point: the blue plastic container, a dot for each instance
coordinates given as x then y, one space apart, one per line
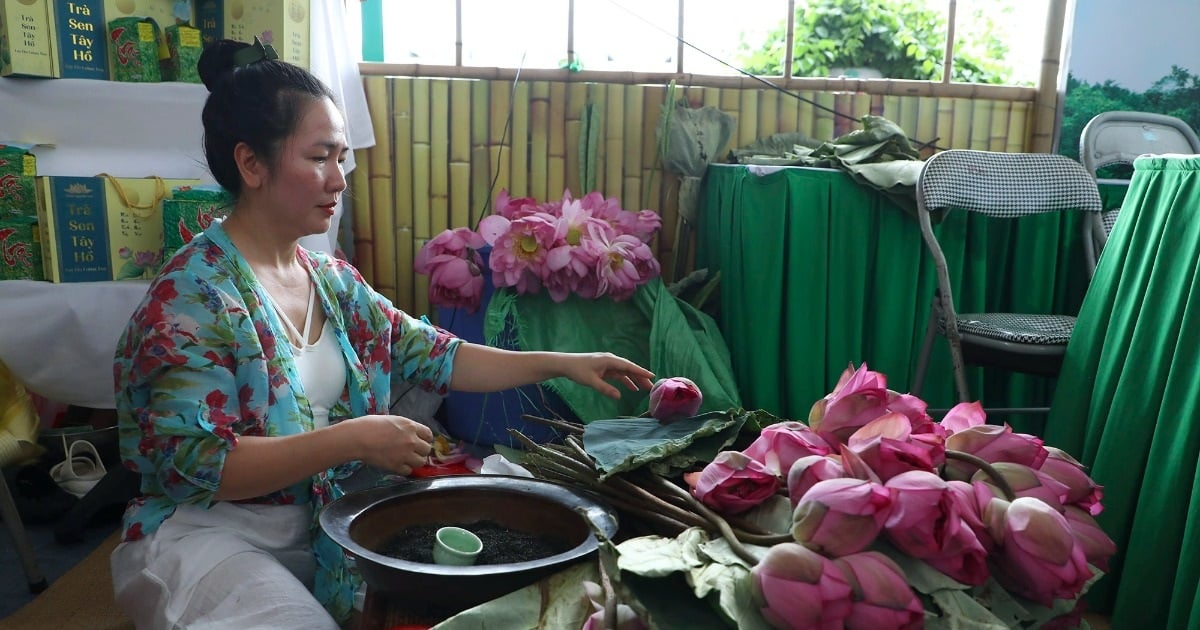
484 419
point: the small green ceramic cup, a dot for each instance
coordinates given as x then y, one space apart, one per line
456 546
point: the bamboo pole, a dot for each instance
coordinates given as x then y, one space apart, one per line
926 119
632 140
422 156
860 106
500 134
556 160
539 139
960 138
747 129
518 142
361 208
909 111
789 39
948 60
806 115
729 101
945 123
652 103
598 98
1019 129
823 118
398 252
788 114
460 154
843 120
981 124
378 93
768 112
1045 111
998 134
481 164
892 109
899 87
576 100
614 142
439 158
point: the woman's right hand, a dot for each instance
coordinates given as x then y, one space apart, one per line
393 443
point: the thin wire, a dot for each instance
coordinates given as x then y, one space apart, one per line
512 96
765 82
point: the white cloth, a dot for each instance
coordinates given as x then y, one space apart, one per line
230 566
320 364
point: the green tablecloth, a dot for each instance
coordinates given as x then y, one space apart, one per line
1128 402
819 272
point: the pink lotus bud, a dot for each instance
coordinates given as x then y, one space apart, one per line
1037 554
807 471
919 521
1081 490
734 483
626 619
966 500
855 466
888 445
1025 482
796 588
779 445
841 516
992 444
674 398
859 397
1097 546
881 594
963 416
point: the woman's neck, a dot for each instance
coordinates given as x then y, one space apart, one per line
260 243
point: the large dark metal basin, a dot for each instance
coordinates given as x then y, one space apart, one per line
362 522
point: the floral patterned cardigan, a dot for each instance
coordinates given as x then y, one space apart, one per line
205 360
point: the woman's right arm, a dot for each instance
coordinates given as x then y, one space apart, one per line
261 465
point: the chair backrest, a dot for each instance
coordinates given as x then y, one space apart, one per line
1005 184
1118 138
1001 185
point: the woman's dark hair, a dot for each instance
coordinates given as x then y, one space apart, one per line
259 103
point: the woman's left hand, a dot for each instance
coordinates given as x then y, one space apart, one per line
596 369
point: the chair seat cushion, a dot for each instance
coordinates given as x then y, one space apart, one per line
1045 330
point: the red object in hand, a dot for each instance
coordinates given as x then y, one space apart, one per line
440 470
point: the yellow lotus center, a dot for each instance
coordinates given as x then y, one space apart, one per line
527 244
574 235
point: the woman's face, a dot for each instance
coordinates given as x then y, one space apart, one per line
305 185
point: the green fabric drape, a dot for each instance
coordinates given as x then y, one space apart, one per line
1128 402
653 328
819 272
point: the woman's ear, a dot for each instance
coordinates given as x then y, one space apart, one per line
253 170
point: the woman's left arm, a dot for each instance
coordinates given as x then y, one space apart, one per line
479 368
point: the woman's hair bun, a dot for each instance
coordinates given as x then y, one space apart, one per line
216 60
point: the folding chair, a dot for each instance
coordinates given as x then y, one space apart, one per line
1003 185
1117 138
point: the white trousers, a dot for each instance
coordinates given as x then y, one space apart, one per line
231 566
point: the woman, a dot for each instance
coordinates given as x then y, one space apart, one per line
244 347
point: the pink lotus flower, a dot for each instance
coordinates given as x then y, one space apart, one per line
626 619
733 483
674 398
798 588
1025 482
622 262
888 445
882 597
1081 490
1037 555
993 444
841 516
1097 546
925 523
454 265
779 445
806 472
859 397
519 253
967 500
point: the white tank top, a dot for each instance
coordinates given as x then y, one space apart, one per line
320 364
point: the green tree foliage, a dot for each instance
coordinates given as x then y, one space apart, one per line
1177 94
903 39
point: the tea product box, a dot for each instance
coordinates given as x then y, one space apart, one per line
210 20
81 36
183 44
18 194
133 47
27 46
163 12
102 228
189 211
20 249
284 24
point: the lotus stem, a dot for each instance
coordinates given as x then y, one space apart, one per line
998 478
569 427
715 519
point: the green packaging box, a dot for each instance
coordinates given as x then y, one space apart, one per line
282 23
20 250
189 211
133 50
183 43
18 192
27 46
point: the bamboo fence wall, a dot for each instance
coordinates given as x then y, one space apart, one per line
444 149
